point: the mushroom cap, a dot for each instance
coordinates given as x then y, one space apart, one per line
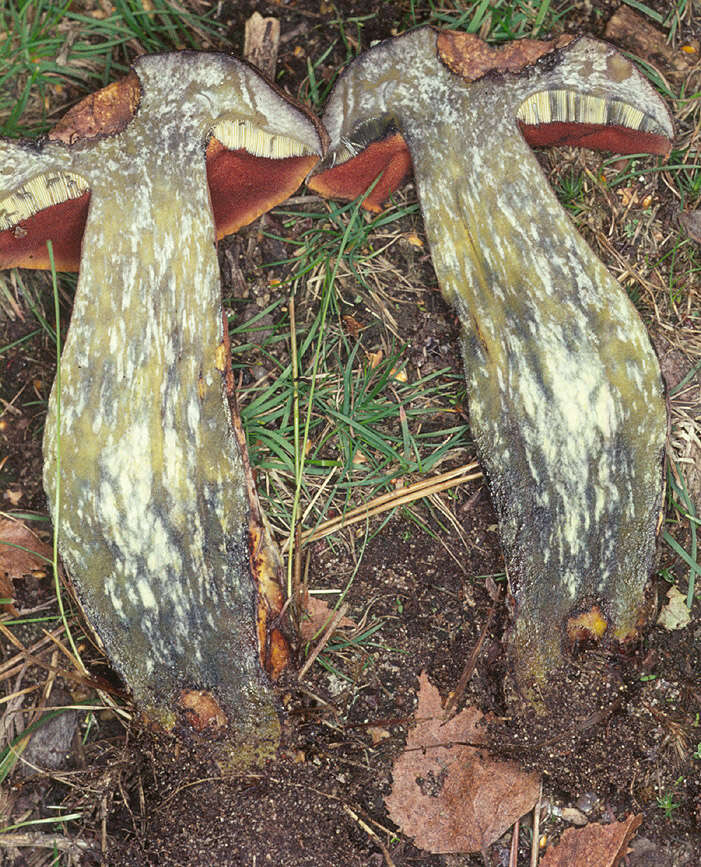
573 91
270 144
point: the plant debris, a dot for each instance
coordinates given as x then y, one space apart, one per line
317 616
449 794
21 552
596 845
675 614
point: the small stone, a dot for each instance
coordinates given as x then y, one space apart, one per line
573 816
50 746
586 802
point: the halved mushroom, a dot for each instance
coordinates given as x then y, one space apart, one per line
154 514
566 399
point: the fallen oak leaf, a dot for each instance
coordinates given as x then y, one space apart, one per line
448 794
595 845
21 553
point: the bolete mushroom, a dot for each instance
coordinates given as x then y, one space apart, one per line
154 514
566 400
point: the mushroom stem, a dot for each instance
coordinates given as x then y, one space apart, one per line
565 396
147 450
169 562
565 393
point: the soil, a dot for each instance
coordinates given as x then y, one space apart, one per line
621 741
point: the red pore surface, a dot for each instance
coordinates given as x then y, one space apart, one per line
619 139
388 158
242 186
24 245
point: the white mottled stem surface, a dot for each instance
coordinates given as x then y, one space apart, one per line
566 398
154 523
154 518
565 394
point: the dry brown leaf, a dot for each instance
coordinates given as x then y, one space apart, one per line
596 845
375 358
14 497
351 325
316 616
413 239
15 561
450 796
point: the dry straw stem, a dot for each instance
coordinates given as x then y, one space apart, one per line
451 706
513 854
33 656
368 830
44 841
394 499
11 666
535 840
